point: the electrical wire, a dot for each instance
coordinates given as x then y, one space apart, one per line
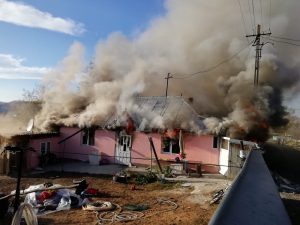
270 10
243 19
250 13
253 10
285 42
188 76
284 38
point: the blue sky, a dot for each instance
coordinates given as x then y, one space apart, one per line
36 35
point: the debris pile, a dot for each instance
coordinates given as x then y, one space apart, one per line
48 201
217 196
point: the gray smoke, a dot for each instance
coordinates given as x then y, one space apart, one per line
192 36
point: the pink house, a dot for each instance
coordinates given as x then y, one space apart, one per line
171 122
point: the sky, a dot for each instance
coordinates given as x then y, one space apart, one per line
36 35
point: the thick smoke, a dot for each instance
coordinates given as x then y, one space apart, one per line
192 36
16 119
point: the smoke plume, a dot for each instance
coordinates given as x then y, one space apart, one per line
191 36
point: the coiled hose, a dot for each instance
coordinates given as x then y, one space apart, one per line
25 210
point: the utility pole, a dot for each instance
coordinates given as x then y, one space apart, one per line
167 78
258 49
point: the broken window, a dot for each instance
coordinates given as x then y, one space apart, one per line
170 142
88 136
125 141
45 148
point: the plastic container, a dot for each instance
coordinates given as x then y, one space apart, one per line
94 158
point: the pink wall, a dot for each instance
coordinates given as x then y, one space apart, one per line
105 141
73 148
32 158
198 148
140 152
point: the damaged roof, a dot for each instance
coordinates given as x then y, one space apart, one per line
37 134
159 112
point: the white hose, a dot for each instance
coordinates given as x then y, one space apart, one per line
25 210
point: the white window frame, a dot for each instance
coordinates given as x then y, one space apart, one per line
128 137
170 149
88 140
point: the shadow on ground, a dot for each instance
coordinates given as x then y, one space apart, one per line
284 161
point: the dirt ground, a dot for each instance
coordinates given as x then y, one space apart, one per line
192 199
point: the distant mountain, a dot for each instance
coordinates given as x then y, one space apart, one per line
4 107
19 107
8 106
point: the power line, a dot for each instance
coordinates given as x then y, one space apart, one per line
258 46
284 38
253 12
285 42
243 18
250 13
187 76
270 10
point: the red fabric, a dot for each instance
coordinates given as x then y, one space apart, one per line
91 191
46 195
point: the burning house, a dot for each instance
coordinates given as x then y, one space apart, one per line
176 130
212 67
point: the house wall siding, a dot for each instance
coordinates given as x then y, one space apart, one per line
73 147
198 148
32 158
140 152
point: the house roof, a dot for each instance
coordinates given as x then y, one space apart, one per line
157 112
37 134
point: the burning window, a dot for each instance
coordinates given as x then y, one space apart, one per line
170 142
45 148
88 136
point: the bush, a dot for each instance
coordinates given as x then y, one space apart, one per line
150 177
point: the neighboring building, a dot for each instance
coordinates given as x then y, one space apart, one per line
233 153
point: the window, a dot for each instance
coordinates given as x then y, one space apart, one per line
216 142
170 145
88 136
224 144
45 148
125 141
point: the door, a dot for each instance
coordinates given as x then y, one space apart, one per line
123 150
235 162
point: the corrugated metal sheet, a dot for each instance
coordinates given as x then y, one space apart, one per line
158 112
37 134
